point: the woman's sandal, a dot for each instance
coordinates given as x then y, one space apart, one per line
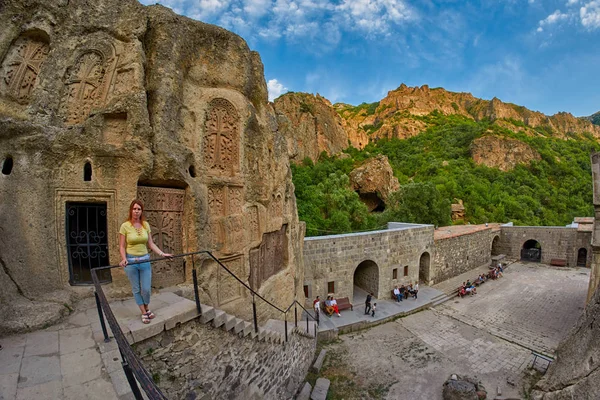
150 314
145 319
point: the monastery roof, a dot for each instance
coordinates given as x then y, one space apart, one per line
584 220
585 227
446 232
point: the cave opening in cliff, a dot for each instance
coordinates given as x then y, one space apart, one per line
531 251
372 201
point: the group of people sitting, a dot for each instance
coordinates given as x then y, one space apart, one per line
331 306
470 288
403 292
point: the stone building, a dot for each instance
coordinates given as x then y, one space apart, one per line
103 102
404 253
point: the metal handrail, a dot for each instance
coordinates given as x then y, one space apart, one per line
131 363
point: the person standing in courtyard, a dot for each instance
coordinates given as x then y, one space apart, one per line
416 289
373 309
368 303
134 241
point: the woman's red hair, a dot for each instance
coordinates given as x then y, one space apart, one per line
133 203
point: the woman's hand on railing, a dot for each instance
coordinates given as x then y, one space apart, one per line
167 255
123 263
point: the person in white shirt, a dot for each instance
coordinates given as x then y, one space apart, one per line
397 294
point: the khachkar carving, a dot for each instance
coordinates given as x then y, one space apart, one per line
228 288
21 67
221 138
163 209
225 200
87 83
225 203
270 258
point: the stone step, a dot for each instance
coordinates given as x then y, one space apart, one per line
219 319
320 390
305 393
239 325
316 367
230 321
248 328
208 314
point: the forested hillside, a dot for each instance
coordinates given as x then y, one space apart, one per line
436 166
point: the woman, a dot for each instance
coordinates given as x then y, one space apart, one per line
134 241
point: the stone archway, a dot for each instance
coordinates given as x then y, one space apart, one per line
531 251
424 263
582 257
495 245
366 277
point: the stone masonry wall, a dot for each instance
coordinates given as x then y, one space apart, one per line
458 254
335 258
197 361
556 242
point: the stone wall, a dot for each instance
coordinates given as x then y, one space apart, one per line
457 254
336 258
130 101
556 242
595 242
197 361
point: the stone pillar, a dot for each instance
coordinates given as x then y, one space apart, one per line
595 272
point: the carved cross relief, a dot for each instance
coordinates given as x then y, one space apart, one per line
221 138
22 66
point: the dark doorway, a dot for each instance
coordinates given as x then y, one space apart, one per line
582 257
495 250
531 251
424 268
366 277
87 242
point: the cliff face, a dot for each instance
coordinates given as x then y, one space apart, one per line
394 117
502 153
105 101
310 126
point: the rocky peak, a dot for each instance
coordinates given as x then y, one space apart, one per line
310 125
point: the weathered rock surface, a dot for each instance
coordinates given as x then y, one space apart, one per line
104 101
462 388
310 125
576 372
375 182
502 153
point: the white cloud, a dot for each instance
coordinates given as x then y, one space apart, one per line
275 88
590 14
552 19
572 2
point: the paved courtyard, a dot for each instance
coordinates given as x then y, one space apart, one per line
489 336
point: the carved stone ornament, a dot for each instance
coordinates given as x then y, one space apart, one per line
221 138
87 83
269 258
21 67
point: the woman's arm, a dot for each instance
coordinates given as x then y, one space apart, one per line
122 247
155 248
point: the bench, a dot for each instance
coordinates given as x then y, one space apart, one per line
543 357
343 303
558 262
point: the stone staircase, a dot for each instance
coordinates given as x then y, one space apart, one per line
172 310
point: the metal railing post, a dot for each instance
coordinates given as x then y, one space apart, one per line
286 336
130 378
254 313
101 316
307 322
195 276
295 315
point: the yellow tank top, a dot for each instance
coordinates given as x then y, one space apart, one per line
137 239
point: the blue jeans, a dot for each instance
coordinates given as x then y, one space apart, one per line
140 277
398 297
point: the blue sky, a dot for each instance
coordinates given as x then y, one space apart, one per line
542 54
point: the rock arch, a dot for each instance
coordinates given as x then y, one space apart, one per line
531 251
366 277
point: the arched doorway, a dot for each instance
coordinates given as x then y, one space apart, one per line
424 268
495 250
366 277
531 251
582 257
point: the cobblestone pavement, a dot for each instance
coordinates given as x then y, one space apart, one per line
533 305
488 336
